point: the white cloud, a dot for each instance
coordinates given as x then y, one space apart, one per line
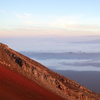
57 24
78 22
3 11
26 19
25 15
20 16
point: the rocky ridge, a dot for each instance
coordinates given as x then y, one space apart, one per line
46 78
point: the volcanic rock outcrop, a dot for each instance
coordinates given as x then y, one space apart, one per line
57 84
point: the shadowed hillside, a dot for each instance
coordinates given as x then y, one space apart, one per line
29 77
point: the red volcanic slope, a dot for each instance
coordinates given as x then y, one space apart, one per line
13 86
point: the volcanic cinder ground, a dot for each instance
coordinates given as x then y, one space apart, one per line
13 86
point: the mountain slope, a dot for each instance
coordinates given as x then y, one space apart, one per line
54 85
16 87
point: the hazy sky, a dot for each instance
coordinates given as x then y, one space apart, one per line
49 17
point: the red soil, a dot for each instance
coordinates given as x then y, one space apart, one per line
13 86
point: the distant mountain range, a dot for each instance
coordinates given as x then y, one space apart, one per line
90 41
22 78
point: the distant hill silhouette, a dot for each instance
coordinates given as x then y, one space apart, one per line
22 78
97 41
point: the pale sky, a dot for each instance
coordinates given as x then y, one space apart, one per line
22 18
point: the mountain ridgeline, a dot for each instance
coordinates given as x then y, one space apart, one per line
61 87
